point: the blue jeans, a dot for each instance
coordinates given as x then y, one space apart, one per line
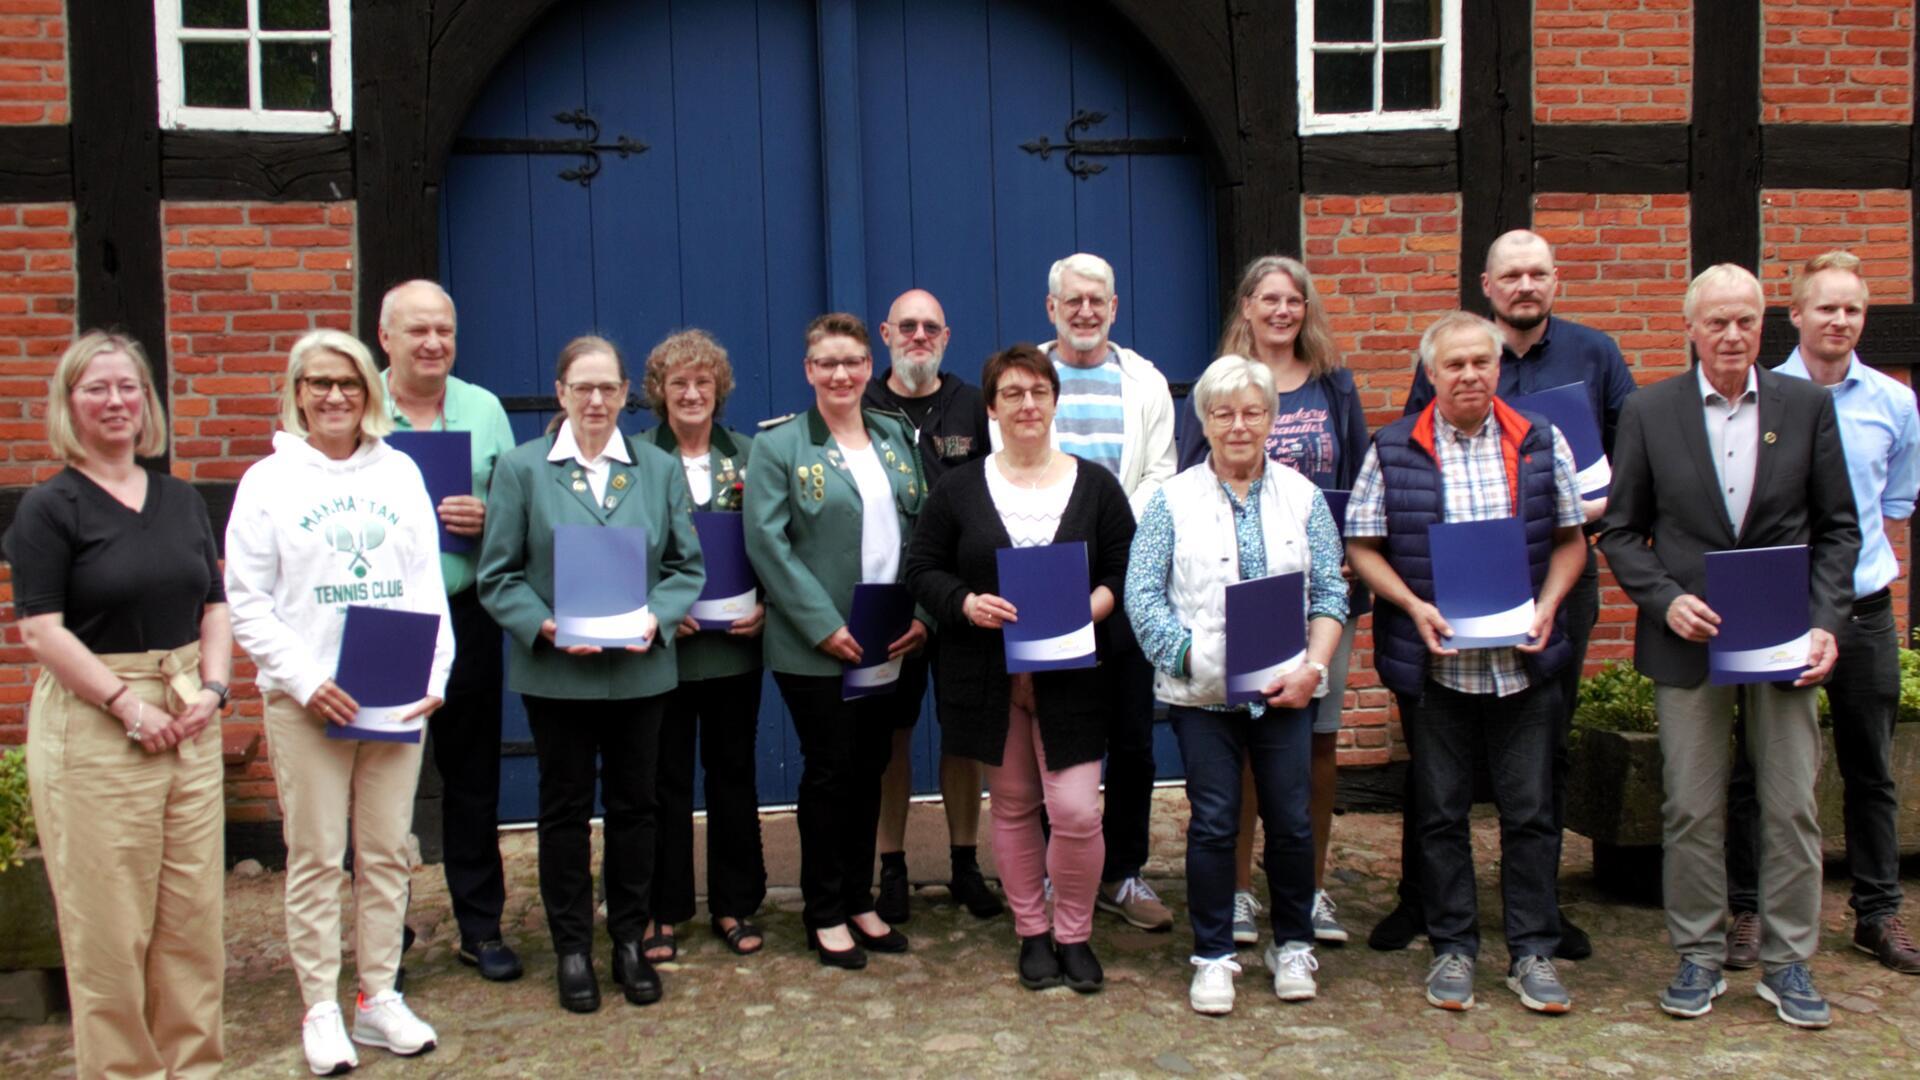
1279 744
1520 732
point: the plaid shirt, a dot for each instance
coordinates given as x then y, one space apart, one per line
1473 487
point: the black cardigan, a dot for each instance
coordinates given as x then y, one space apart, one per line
952 554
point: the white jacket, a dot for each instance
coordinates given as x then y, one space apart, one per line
308 536
1206 559
1147 459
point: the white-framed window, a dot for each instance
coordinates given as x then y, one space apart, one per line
1378 65
255 65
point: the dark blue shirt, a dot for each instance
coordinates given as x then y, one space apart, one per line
1566 353
1302 436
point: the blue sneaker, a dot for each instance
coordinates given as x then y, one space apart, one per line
1692 991
1539 986
1790 991
1450 982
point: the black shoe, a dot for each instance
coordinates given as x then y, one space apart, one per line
1081 969
851 958
893 941
1574 942
579 989
635 974
495 959
1397 931
970 889
400 972
892 903
1039 964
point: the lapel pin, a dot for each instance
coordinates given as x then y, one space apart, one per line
1770 438
579 485
620 482
612 502
576 474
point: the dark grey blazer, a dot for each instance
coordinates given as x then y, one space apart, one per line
1666 512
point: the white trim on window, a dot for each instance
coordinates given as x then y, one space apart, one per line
1446 117
175 113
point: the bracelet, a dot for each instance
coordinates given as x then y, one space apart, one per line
107 705
133 732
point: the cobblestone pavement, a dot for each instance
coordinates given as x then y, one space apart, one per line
952 1007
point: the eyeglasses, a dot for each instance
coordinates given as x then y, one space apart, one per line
322 386
584 392
1275 301
836 366
1014 395
1253 418
911 327
1091 303
702 384
100 391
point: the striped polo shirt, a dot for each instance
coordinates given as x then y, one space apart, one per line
1090 421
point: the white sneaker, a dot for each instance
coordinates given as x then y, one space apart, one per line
324 1035
1212 991
1246 918
1293 965
385 1021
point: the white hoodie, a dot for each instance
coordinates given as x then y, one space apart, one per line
308 536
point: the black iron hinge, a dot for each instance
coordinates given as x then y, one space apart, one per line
588 148
1077 149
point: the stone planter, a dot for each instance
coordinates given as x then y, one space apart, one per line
31 981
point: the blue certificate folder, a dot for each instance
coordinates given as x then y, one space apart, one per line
1570 410
1337 504
881 613
446 463
1266 633
1480 582
386 660
731 588
1047 585
1761 597
599 585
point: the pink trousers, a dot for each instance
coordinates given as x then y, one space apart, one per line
1021 784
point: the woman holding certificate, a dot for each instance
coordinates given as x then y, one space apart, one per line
1235 518
594 709
831 498
1040 734
335 517
687 381
116 580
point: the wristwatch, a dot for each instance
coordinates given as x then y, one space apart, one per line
221 688
1320 690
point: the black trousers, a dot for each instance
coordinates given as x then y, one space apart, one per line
1130 766
616 742
723 716
464 739
845 746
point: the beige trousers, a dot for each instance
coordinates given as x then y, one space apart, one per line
135 849
325 784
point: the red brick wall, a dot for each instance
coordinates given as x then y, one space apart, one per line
1623 262
37 297
1875 225
1385 267
33 62
1612 61
1834 61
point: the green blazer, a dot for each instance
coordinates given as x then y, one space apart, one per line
528 498
803 528
711 654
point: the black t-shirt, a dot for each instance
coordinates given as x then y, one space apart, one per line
125 581
951 422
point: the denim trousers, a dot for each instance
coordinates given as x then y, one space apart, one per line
1130 767
1279 746
1518 733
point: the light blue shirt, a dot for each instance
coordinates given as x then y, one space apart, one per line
1091 420
1880 432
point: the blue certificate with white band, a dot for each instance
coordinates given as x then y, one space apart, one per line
880 615
1047 586
1266 633
1570 410
1480 582
600 585
386 661
1761 596
731 589
445 459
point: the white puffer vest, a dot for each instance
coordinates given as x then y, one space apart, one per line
1206 559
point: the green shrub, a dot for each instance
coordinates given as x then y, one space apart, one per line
1617 699
1909 691
16 810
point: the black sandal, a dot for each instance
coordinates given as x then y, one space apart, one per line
659 939
742 930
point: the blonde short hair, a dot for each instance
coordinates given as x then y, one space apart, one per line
374 422
1717 275
61 435
1837 259
692 348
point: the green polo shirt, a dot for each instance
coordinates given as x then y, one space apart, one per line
475 410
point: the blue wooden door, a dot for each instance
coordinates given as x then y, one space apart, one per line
637 167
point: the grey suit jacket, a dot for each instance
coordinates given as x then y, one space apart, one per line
1665 511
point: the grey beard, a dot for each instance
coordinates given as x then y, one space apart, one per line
918 377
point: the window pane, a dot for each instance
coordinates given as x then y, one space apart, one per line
296 75
212 14
293 14
1343 20
215 73
1411 80
1412 20
1342 82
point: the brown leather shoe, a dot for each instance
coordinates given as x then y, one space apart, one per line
1887 940
1743 942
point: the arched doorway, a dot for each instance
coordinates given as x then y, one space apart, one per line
742 165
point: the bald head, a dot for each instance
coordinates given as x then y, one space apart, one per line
1520 280
916 334
416 332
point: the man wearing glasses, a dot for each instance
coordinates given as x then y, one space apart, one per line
949 420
